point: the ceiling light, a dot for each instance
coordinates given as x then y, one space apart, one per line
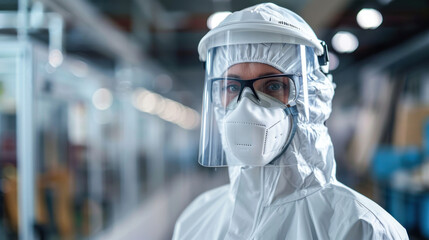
102 99
55 58
369 18
79 69
345 42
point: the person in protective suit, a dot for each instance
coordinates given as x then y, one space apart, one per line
267 97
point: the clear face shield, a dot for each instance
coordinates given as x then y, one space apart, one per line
250 103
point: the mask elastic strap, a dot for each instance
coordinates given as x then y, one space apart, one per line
290 111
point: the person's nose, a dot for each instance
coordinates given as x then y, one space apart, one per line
249 93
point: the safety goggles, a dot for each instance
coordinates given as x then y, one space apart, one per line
280 87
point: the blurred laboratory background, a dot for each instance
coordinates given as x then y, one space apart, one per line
100 105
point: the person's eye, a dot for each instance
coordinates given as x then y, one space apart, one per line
232 88
275 86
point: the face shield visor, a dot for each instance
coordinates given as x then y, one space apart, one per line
250 102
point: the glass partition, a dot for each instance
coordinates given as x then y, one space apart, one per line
77 169
8 142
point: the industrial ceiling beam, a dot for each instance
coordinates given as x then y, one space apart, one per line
108 37
319 14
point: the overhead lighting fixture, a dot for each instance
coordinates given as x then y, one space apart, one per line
79 69
55 57
216 18
345 42
167 109
102 99
369 18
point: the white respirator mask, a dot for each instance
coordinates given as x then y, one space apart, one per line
256 131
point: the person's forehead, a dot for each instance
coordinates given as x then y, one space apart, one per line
249 70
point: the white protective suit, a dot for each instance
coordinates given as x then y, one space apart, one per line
297 201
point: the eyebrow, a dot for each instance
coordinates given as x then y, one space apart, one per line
260 75
268 74
233 76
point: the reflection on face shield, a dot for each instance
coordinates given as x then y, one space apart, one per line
280 87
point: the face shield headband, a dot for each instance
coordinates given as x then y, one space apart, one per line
250 114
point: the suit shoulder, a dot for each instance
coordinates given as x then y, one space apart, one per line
198 210
200 203
368 226
366 216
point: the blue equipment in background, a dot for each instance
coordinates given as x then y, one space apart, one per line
407 202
